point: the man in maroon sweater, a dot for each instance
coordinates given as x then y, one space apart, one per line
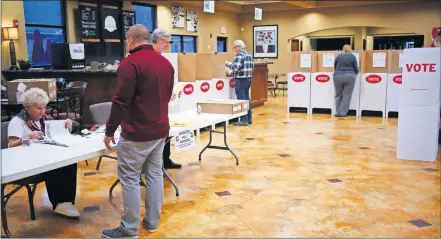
140 105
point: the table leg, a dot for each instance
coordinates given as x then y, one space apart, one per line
226 147
111 188
171 181
4 219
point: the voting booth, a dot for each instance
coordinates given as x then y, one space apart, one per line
300 66
322 83
394 79
205 90
419 105
374 81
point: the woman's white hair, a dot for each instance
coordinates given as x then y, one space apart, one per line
35 96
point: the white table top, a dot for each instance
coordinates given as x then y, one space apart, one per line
22 162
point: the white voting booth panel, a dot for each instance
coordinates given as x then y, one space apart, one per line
373 92
322 91
190 95
419 105
221 88
205 90
173 58
299 90
355 98
393 92
232 86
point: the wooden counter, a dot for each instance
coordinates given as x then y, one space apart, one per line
100 84
259 86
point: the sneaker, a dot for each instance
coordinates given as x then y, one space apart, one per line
67 209
151 230
117 233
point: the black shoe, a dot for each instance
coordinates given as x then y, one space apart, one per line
251 122
172 165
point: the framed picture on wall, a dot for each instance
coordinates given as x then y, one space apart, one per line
266 41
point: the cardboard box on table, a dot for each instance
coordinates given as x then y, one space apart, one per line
187 67
300 66
374 81
18 86
394 79
218 106
322 83
419 105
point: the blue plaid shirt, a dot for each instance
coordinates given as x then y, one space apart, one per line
242 65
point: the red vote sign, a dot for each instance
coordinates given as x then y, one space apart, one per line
397 79
298 78
188 89
322 78
373 79
219 85
424 67
205 87
232 83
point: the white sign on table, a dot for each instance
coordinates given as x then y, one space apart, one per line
185 140
379 59
305 60
328 59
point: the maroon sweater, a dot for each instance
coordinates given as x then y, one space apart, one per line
143 91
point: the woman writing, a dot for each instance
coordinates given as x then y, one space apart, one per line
61 183
345 71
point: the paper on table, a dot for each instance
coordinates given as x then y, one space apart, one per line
379 59
400 60
357 56
305 60
328 59
57 133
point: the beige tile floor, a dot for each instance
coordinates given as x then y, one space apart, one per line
271 195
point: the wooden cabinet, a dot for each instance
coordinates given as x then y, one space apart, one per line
259 85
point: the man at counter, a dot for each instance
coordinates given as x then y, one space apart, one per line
242 68
140 105
161 41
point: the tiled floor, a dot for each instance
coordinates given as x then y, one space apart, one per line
298 177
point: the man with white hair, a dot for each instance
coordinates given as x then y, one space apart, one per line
160 40
140 105
242 68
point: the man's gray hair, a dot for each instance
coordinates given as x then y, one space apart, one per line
139 32
34 96
159 34
240 44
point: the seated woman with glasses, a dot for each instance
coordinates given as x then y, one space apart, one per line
61 183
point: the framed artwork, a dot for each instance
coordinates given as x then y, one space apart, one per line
192 21
178 16
266 41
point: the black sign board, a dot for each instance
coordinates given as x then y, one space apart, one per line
111 24
128 21
89 21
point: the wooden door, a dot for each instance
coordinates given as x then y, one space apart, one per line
259 86
295 45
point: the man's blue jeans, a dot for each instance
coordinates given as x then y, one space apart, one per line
243 93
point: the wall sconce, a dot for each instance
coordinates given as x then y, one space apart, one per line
11 34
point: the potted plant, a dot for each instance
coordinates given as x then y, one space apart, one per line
24 64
